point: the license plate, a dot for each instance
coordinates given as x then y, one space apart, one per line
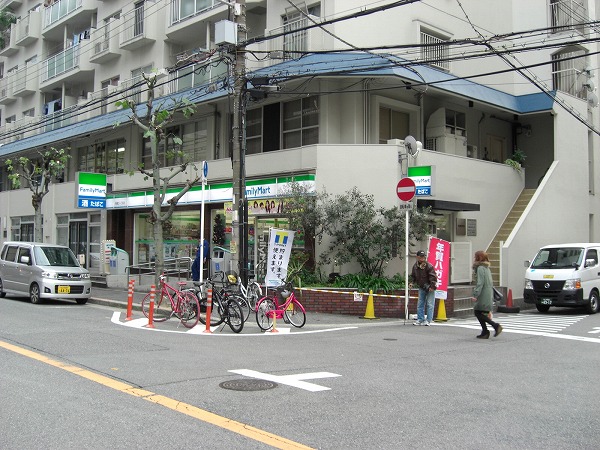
546 301
64 289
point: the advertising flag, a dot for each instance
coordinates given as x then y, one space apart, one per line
280 248
439 257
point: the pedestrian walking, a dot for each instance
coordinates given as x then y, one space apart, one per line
200 250
483 295
424 276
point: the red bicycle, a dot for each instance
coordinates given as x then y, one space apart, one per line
183 304
290 308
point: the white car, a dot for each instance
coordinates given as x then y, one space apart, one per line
42 271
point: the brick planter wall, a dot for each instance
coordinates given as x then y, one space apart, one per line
341 301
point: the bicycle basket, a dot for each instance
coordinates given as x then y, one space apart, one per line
231 277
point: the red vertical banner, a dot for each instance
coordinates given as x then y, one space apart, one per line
439 256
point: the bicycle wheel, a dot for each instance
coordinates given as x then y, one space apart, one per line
216 317
162 307
188 309
263 319
245 305
234 313
295 314
254 294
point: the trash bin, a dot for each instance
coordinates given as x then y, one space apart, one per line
119 260
221 260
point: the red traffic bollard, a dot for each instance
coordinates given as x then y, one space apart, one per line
208 310
151 307
130 299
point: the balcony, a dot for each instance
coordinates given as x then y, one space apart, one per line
59 119
12 4
189 19
7 89
64 66
140 28
105 42
26 81
78 13
28 29
9 47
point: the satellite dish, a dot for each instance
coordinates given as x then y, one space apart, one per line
592 99
412 146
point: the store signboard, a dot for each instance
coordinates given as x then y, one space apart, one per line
423 178
91 190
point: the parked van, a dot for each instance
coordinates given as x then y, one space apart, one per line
42 271
564 275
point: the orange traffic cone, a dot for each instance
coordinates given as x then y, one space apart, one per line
509 308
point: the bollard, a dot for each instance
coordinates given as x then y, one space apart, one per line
151 307
274 329
130 299
208 310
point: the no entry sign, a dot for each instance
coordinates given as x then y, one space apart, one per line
406 189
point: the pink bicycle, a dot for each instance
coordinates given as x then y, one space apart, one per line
171 301
290 309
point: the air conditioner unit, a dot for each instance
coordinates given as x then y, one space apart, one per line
472 151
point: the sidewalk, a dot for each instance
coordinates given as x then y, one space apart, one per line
117 298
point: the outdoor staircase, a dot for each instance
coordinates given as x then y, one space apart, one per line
513 216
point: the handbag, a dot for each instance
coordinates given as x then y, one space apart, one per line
497 295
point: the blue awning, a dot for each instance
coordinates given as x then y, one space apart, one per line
346 64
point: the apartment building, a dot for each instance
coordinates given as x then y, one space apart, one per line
472 80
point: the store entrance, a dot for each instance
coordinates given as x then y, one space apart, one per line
78 239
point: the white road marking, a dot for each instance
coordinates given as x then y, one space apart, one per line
290 380
596 330
199 329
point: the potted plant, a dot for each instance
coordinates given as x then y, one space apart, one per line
516 160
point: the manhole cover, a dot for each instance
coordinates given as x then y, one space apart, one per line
248 385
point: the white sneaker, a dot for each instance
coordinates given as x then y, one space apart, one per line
418 323
427 324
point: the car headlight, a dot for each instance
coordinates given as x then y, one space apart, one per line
49 275
573 284
528 284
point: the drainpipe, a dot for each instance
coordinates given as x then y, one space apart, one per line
366 115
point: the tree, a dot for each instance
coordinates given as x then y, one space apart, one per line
154 122
7 18
369 235
360 232
39 174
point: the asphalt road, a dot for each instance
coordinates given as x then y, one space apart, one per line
83 377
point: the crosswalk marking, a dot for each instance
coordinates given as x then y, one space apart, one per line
527 322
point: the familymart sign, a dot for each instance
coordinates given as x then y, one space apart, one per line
91 190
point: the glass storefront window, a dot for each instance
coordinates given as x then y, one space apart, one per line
180 236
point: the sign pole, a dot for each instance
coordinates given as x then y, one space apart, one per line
406 266
203 178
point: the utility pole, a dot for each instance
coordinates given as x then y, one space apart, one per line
239 239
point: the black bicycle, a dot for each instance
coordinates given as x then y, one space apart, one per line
226 306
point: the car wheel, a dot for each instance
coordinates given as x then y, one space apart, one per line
542 308
34 294
593 305
81 301
2 293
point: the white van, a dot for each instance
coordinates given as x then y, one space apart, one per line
42 271
564 275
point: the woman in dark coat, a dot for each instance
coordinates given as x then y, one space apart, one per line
483 295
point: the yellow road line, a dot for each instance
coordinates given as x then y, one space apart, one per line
184 408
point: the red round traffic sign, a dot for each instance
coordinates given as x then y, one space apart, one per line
406 189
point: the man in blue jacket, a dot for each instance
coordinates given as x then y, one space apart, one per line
196 263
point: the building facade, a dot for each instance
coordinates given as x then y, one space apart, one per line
474 81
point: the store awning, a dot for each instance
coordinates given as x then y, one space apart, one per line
447 205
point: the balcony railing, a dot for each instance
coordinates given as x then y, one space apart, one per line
59 119
435 51
60 63
197 75
567 15
294 43
59 10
